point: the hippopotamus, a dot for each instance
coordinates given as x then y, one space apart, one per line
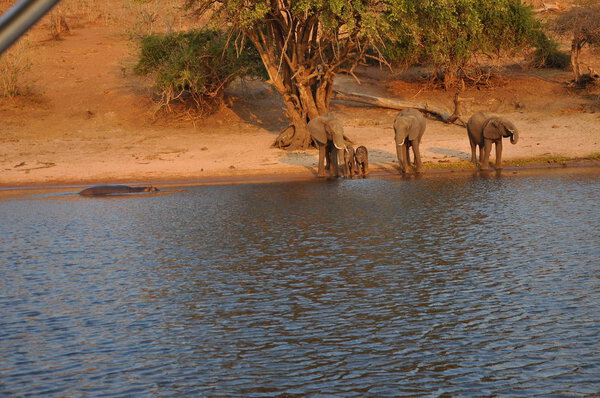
102 190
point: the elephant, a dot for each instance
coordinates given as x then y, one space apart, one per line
349 162
409 127
328 133
361 156
484 130
103 190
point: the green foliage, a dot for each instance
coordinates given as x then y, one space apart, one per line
450 33
196 66
446 33
547 53
304 44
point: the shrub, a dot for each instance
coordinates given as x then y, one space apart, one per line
451 34
13 63
194 68
547 54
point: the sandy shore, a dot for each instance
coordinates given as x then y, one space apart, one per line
150 156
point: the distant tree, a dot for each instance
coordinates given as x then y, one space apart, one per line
449 34
583 25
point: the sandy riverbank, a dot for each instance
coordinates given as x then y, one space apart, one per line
86 119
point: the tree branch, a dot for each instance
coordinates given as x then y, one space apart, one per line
389 103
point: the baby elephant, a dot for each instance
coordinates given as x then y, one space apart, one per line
103 190
361 156
484 130
349 162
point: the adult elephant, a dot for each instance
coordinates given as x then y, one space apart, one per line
409 127
484 130
328 133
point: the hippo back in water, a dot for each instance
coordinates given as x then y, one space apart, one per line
101 190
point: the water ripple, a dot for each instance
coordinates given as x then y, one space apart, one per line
380 287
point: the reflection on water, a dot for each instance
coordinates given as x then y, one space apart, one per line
379 287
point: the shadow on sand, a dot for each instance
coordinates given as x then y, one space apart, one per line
450 152
378 159
255 103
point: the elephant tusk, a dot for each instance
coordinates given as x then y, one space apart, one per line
402 143
339 147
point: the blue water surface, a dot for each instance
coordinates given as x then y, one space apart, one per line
470 285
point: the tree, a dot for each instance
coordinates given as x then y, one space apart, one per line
303 44
583 25
449 34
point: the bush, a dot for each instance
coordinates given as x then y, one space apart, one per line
451 34
194 68
547 54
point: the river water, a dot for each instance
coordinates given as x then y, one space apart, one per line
457 284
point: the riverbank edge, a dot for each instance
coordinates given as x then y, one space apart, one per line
296 174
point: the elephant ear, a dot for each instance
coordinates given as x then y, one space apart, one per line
414 130
509 128
492 129
316 127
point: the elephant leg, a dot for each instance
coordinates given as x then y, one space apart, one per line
473 150
407 146
365 169
337 153
485 162
481 152
328 147
322 156
401 152
498 154
417 150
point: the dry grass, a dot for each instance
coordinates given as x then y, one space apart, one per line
14 63
537 161
138 17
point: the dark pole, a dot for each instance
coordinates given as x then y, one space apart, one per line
21 17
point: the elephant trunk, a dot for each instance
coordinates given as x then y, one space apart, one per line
401 153
514 138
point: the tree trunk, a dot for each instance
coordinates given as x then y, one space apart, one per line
312 101
391 104
300 109
297 98
323 93
296 135
456 115
576 46
302 63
